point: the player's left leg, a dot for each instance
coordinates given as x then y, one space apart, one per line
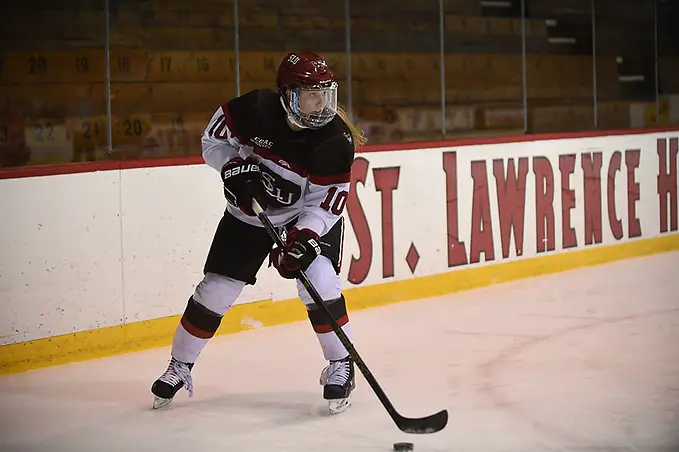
338 378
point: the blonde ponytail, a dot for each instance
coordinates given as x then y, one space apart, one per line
356 134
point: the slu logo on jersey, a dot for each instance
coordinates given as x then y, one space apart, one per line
280 192
262 143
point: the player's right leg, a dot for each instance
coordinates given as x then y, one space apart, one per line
236 254
213 297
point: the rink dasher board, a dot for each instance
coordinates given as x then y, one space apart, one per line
105 259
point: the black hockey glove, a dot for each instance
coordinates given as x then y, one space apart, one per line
301 248
242 182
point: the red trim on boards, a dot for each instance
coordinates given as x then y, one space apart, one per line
512 139
91 167
86 167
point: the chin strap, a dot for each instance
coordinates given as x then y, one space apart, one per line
292 121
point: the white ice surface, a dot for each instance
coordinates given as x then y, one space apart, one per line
586 360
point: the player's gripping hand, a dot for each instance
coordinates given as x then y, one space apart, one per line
301 248
242 182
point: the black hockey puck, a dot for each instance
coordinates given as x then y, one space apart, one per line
403 447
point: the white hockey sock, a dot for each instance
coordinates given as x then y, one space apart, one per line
185 346
332 347
212 298
330 344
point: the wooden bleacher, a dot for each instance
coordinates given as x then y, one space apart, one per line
170 70
176 80
149 87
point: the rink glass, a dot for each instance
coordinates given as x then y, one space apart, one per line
122 80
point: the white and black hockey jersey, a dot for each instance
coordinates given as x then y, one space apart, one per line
306 173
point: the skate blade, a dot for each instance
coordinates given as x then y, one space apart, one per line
337 406
159 402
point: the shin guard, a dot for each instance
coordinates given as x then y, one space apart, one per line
199 321
338 310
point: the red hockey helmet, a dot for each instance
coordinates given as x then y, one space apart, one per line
308 89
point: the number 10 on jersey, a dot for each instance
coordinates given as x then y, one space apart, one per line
335 204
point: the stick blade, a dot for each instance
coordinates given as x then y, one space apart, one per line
423 425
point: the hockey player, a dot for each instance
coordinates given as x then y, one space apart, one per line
292 150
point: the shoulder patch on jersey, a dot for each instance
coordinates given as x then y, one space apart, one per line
262 143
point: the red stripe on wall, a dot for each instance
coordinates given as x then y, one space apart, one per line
92 167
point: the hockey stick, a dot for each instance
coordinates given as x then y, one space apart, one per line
429 424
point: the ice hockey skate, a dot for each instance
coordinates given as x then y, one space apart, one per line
338 380
177 376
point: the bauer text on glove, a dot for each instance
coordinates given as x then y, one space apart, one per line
242 182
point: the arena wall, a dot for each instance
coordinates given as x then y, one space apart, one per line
99 259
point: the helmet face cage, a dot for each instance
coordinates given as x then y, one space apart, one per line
302 102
